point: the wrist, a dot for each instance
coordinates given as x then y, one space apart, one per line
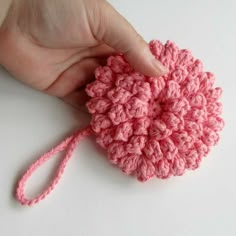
4 8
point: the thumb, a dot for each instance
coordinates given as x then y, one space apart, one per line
117 32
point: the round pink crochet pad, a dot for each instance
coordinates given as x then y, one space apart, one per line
156 126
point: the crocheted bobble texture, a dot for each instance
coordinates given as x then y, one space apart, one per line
155 126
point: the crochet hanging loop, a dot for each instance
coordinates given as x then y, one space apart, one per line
69 144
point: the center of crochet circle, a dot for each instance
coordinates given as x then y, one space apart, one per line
155 108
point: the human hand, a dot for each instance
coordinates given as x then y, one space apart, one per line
55 45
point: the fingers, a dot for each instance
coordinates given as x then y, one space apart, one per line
102 50
77 99
75 77
115 31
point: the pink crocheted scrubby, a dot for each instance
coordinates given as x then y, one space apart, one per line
149 126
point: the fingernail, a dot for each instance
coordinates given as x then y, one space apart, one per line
161 69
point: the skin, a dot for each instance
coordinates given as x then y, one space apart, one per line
54 46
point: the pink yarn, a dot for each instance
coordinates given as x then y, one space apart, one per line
68 144
149 126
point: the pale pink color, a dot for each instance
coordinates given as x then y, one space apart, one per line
141 125
100 122
99 105
69 144
152 151
124 131
149 126
119 95
177 114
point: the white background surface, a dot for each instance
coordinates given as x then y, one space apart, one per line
96 199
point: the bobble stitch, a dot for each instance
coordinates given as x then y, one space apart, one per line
213 95
190 86
156 48
183 140
185 58
98 105
106 137
192 160
195 68
117 114
171 91
178 166
153 151
97 89
124 131
179 107
136 108
179 75
201 148
142 90
215 123
169 148
119 95
214 109
163 169
156 86
100 122
118 64
159 130
116 150
169 55
129 163
172 121
210 137
145 170
193 128
136 144
104 74
197 100
207 81
141 126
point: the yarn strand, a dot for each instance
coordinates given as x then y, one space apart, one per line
69 144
